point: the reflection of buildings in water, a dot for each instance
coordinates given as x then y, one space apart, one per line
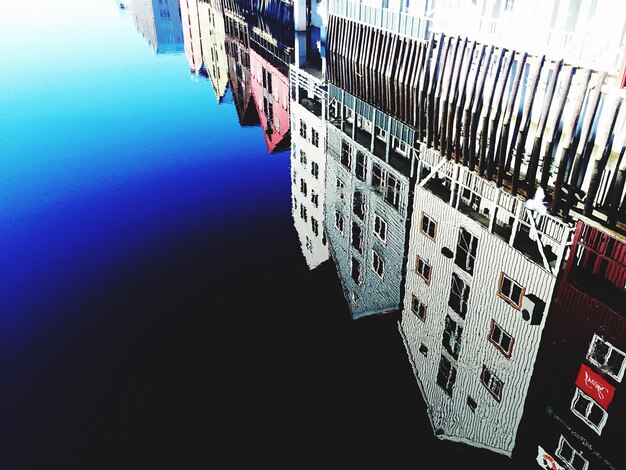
237 51
368 200
308 164
270 91
578 410
160 23
213 37
191 34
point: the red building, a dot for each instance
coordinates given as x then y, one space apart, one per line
577 407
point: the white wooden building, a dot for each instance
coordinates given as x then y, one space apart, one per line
213 39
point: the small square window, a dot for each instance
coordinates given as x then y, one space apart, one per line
589 411
424 350
418 308
428 226
511 291
492 383
572 458
423 269
607 357
380 227
378 264
501 339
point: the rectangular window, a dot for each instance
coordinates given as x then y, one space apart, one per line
339 222
380 228
346 155
451 340
589 411
314 226
303 158
315 199
303 187
302 129
471 403
423 269
511 291
386 185
378 264
607 357
315 170
466 251
459 294
340 189
303 212
571 457
428 226
493 383
315 138
355 271
418 308
446 375
501 339
357 237
358 204
361 166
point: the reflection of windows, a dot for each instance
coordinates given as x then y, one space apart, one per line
589 411
570 456
340 187
446 375
314 226
386 185
459 293
380 227
302 129
493 383
378 265
315 138
303 158
315 170
466 251
501 339
418 308
357 237
303 212
346 155
471 403
315 199
361 166
607 357
423 269
451 340
428 226
355 271
303 187
339 222
424 350
511 291
358 204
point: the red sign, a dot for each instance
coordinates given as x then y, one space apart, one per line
595 386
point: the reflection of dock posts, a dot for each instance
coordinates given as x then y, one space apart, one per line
567 140
533 164
464 88
477 111
520 143
502 150
601 153
446 143
584 144
447 79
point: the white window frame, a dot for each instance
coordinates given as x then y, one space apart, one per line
338 217
568 463
580 394
383 223
378 265
602 367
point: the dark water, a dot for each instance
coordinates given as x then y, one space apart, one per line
155 307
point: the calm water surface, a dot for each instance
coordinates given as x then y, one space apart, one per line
155 307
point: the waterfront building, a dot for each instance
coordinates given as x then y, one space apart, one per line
213 38
160 23
191 34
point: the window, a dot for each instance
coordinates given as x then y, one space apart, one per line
511 291
471 403
451 340
358 204
466 251
589 411
361 166
428 226
339 222
423 269
459 294
386 185
570 456
303 158
493 383
346 155
303 187
293 176
315 199
607 357
380 227
418 308
357 237
315 137
303 212
355 271
501 339
446 375
378 264
302 129
424 350
309 244
315 226
315 170
340 187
